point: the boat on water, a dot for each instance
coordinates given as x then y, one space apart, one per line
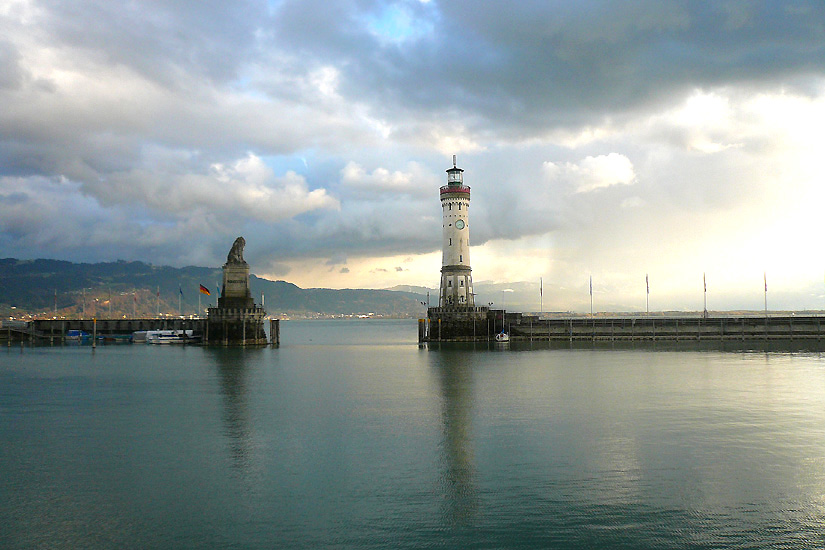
502 337
169 336
77 335
115 338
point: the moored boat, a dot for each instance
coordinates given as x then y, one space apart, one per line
77 335
170 337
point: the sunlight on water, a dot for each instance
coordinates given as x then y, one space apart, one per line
352 435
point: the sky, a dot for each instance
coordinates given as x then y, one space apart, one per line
606 139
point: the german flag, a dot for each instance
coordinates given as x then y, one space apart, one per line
205 290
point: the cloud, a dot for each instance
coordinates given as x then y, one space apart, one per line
322 128
593 172
415 181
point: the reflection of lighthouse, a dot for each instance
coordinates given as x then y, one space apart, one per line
456 275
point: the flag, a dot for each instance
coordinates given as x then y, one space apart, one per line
765 275
704 282
591 285
541 287
205 290
180 290
647 283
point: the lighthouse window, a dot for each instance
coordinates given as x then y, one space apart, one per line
460 283
451 241
459 206
449 282
460 258
451 206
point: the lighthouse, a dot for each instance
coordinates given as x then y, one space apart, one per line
456 288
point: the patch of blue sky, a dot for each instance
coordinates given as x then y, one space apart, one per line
247 87
273 6
402 22
281 164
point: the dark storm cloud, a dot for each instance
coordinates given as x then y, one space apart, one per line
537 63
161 39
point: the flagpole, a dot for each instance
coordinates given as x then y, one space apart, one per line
180 296
158 302
765 277
647 295
541 296
591 296
199 304
705 286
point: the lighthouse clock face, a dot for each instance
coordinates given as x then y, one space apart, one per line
459 224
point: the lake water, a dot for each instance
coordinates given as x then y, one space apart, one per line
350 435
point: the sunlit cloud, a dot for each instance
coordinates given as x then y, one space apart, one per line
613 139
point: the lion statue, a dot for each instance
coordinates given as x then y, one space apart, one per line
235 255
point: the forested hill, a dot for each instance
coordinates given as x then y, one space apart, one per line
136 288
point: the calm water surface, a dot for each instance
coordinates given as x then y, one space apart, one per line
352 436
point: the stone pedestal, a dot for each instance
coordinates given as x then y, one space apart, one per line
235 289
237 321
228 326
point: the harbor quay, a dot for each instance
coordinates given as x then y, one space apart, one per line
56 330
482 324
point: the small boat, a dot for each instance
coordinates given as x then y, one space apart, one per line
115 338
502 337
77 335
168 336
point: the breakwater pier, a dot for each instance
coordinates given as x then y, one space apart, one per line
53 331
482 324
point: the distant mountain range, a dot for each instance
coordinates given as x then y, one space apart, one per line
119 288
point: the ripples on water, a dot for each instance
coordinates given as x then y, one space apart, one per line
352 436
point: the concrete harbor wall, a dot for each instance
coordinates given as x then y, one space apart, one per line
446 326
55 330
733 327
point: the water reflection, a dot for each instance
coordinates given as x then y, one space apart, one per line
233 374
457 477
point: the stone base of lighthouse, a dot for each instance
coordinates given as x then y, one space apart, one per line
456 289
459 324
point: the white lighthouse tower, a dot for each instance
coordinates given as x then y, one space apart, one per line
456 275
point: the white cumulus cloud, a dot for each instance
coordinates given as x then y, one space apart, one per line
593 173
